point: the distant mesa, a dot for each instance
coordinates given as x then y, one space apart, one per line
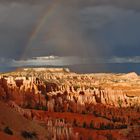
53 70
131 75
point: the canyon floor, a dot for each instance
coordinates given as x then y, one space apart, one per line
57 104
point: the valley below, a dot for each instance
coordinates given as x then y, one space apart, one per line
57 104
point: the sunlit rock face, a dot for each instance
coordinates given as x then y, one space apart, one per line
131 75
116 90
110 97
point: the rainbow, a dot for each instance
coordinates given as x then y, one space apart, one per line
48 12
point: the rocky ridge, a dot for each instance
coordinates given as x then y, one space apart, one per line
110 96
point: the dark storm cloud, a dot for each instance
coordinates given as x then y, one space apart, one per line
117 29
80 3
16 23
83 28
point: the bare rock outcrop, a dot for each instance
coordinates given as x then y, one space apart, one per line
131 75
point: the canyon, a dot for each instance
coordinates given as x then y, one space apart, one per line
58 104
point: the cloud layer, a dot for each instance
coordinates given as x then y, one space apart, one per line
92 31
66 61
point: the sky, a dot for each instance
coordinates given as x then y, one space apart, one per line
87 36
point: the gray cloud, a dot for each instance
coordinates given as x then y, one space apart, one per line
121 60
124 3
43 61
90 29
67 61
116 28
16 23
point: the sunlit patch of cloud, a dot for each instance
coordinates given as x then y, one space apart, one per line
48 61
